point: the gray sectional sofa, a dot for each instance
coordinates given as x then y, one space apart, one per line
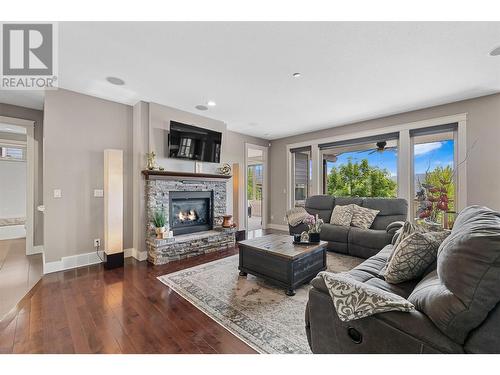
457 300
362 243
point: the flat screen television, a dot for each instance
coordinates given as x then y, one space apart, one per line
193 143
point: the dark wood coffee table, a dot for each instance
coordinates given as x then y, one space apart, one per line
275 258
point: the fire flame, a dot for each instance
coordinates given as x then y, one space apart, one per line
184 216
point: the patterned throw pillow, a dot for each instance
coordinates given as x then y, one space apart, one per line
354 300
363 217
408 229
342 215
413 255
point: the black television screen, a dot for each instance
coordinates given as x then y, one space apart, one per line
194 143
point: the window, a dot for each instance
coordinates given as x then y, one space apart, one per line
12 152
361 168
434 179
301 175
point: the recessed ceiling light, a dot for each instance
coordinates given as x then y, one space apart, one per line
115 81
201 107
495 52
296 75
211 103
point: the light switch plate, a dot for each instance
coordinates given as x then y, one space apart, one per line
98 193
57 193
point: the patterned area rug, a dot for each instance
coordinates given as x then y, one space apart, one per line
254 310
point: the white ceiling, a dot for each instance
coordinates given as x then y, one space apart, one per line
350 71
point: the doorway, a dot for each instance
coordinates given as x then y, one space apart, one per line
19 271
256 188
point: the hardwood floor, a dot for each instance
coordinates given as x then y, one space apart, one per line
18 273
126 310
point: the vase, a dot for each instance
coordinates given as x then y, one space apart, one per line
304 237
227 223
313 237
159 232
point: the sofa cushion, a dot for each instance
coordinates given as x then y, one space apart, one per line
374 239
390 210
334 233
355 300
413 255
342 215
321 205
363 217
458 296
344 201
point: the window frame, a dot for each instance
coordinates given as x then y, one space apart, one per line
404 158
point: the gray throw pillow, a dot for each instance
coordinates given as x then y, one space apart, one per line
413 255
363 217
406 230
342 215
355 300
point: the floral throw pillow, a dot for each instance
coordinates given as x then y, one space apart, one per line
355 300
413 255
342 215
363 217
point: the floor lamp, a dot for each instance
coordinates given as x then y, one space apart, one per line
113 208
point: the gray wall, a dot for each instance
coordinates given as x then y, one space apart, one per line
77 130
36 116
233 147
483 125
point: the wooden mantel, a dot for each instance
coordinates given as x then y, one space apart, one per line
158 175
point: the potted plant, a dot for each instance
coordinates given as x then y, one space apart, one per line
159 223
314 223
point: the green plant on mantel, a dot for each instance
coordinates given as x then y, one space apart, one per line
159 219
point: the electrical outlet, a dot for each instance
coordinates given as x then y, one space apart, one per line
97 242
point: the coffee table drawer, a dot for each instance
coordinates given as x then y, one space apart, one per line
264 264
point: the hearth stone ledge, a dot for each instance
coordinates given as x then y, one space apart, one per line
189 245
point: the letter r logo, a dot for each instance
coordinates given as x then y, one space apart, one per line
27 49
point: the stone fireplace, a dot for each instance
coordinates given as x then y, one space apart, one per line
190 211
194 206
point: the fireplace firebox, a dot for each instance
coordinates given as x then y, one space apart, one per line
190 211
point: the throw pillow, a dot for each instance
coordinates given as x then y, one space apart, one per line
296 215
363 217
342 215
413 255
354 300
407 229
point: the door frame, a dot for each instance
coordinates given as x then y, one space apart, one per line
30 177
265 153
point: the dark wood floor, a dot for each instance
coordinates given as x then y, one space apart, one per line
126 310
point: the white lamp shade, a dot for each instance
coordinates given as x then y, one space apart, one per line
113 201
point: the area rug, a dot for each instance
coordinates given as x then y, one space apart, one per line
257 312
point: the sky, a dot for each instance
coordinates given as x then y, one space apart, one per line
427 155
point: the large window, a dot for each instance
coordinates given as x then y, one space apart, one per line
361 168
301 175
434 179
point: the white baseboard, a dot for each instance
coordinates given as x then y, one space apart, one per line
134 253
73 261
278 227
36 250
